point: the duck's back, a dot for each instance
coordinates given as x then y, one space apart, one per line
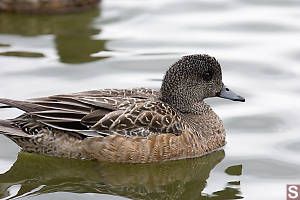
79 111
119 122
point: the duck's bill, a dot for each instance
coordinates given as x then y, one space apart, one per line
226 93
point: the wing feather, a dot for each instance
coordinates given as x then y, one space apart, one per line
101 112
146 117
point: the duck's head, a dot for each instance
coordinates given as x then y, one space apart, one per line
192 79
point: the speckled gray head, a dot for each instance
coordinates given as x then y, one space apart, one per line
192 79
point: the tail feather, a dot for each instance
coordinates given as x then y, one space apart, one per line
22 105
7 129
4 106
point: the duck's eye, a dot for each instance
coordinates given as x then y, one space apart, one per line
207 76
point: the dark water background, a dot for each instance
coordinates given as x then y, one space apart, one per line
125 44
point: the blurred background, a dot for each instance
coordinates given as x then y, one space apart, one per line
131 43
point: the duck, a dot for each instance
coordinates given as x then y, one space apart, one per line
47 6
137 125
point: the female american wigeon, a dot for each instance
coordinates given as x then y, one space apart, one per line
128 125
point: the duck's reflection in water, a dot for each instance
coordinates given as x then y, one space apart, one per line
183 179
73 33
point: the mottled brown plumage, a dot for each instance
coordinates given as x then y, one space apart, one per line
128 125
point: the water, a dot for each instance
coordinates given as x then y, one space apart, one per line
125 44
